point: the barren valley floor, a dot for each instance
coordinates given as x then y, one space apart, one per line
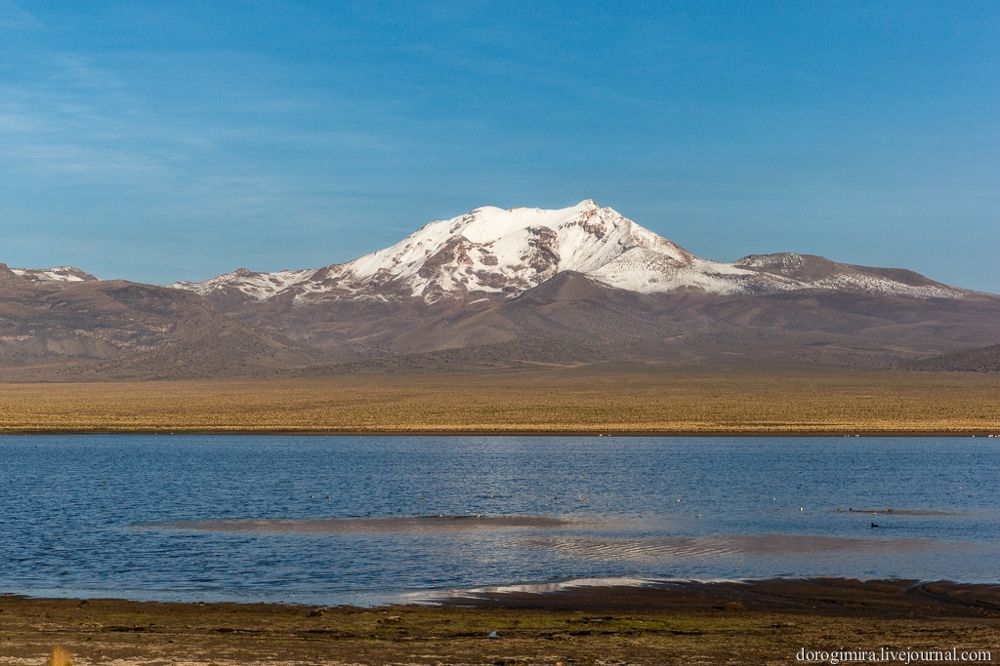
643 399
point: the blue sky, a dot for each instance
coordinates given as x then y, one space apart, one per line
179 140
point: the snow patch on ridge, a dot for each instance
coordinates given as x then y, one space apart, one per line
56 274
874 285
260 286
646 271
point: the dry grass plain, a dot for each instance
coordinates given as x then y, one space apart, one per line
590 399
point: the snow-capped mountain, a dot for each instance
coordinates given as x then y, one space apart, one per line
41 275
494 289
491 251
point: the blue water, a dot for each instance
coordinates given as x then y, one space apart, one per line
111 515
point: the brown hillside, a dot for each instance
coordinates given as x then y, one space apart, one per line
573 318
123 330
984 359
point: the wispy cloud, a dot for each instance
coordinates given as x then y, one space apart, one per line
16 18
51 132
87 149
79 72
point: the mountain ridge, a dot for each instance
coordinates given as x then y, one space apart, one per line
41 275
492 252
493 289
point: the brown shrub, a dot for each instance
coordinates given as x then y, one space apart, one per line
60 657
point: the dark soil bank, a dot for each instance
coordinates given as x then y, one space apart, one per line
762 622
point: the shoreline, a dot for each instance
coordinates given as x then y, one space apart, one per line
821 595
827 595
753 622
985 434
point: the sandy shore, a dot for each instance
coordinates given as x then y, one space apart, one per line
762 622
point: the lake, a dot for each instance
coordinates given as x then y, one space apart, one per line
366 520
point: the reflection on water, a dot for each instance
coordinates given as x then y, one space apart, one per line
901 512
743 546
440 523
332 520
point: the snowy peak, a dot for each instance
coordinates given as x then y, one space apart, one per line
40 275
260 286
502 253
498 251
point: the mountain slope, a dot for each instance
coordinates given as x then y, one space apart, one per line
573 318
116 329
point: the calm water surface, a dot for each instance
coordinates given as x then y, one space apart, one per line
279 518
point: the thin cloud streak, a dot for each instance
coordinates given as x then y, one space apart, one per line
13 17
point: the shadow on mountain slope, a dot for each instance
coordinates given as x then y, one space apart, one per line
983 359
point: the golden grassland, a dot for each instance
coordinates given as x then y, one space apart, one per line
641 399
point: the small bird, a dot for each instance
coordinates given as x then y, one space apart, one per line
874 525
